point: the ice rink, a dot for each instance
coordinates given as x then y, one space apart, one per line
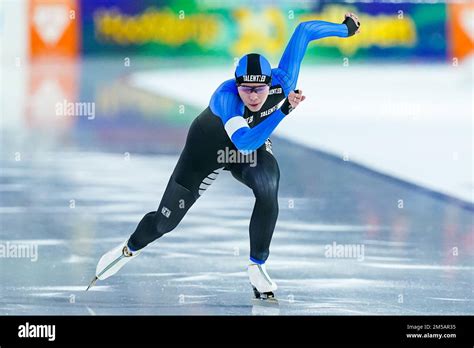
75 187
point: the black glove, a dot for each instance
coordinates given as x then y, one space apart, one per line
352 26
286 107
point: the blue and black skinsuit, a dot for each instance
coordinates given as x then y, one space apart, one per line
228 124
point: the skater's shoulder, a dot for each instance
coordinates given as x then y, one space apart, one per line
225 101
228 86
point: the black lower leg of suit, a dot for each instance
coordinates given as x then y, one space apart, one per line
263 179
175 203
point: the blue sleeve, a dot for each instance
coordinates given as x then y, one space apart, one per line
250 139
289 67
225 104
228 106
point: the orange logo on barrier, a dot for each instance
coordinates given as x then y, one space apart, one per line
53 27
461 27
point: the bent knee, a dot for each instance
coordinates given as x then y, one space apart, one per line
265 186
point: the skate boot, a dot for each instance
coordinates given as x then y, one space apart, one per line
112 261
263 286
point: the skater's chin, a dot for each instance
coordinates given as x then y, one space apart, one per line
254 107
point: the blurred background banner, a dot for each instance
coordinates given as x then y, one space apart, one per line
396 31
219 28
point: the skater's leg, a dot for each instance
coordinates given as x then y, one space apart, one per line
197 165
263 179
175 203
195 171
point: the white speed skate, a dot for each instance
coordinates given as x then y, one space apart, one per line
112 261
263 286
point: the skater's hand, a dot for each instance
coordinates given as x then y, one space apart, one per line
292 101
295 97
352 22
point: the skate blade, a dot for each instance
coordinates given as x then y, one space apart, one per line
92 283
264 299
268 302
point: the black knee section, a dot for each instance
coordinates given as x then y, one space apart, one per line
265 184
175 203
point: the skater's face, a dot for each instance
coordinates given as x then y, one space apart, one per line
253 95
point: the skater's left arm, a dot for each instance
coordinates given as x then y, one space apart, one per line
289 66
249 139
229 108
